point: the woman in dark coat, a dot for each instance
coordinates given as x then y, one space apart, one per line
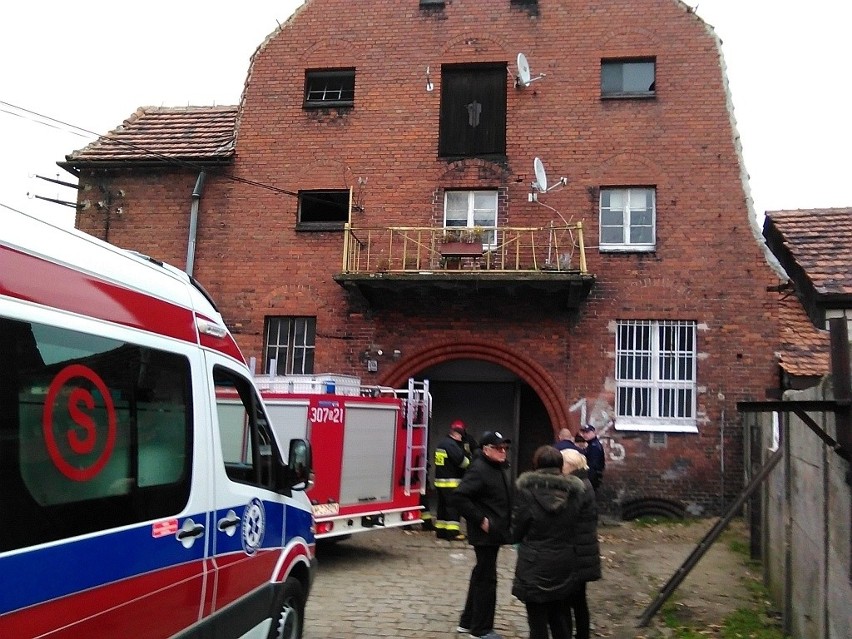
585 540
546 506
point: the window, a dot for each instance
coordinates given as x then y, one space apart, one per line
627 219
658 440
472 209
330 88
628 78
473 111
96 433
289 342
247 447
655 375
321 208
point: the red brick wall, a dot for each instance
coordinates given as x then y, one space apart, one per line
707 265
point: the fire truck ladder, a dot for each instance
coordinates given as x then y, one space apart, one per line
417 415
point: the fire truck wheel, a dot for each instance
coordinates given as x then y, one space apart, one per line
291 613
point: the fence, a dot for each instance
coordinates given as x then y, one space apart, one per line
511 249
801 519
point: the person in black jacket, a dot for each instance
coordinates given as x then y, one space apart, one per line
584 534
451 461
545 509
484 498
595 456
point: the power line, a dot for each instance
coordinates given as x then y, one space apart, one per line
166 159
70 128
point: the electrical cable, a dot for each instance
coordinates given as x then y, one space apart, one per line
166 159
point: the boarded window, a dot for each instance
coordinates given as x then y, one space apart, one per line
473 111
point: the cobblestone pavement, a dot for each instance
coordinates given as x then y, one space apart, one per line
406 583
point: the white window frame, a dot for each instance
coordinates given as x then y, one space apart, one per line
294 338
628 222
481 213
640 377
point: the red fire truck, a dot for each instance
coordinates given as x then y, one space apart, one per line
369 447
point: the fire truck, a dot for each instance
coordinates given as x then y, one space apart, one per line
369 445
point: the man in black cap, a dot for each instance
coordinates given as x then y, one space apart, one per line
451 461
595 456
484 498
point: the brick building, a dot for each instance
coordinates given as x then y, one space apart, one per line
376 205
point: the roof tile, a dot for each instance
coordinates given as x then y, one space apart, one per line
820 241
157 133
804 348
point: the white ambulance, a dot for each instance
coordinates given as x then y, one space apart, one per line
126 508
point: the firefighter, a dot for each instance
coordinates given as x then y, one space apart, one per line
451 460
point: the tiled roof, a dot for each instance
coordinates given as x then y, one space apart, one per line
155 133
820 242
804 348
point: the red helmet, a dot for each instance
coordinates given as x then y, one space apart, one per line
457 425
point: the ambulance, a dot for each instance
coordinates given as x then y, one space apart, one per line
130 505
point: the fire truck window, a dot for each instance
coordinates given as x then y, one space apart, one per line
95 433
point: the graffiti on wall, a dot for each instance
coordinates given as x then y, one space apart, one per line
600 413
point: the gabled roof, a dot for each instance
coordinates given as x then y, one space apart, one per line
815 248
160 134
805 349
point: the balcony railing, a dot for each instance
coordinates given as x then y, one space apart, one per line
409 249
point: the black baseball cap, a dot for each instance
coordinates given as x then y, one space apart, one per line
493 438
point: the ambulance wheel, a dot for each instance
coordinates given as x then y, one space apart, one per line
291 612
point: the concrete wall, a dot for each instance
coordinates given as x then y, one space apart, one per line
806 525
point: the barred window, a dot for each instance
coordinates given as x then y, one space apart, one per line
656 375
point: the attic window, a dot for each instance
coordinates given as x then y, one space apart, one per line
329 88
432 4
634 78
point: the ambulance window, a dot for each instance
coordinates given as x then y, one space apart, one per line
247 446
94 433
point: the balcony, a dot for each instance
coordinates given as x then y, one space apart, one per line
546 263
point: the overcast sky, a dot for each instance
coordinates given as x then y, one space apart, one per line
90 64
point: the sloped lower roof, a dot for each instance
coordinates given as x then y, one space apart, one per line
817 241
804 348
160 133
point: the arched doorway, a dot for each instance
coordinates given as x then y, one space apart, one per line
489 387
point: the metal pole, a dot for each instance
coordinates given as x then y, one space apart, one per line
704 545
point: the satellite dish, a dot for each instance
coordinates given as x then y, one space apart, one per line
524 77
523 71
540 175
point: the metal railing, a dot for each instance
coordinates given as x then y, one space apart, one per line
411 249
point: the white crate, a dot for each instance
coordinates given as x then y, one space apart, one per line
318 383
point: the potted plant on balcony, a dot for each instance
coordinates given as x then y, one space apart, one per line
462 242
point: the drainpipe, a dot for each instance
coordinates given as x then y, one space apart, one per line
193 222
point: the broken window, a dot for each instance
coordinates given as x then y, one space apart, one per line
330 88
